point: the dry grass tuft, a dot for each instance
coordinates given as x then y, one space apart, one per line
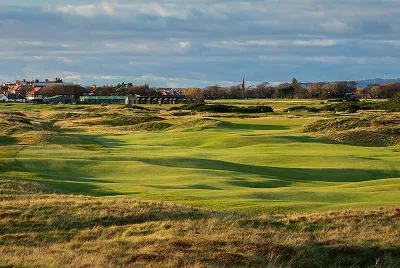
368 130
49 230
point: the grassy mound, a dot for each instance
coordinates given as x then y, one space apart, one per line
392 105
122 120
13 121
152 126
49 230
337 124
18 128
350 107
195 125
364 131
368 137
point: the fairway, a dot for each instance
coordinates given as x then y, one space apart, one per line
240 164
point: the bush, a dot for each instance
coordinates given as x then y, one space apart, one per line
392 105
350 107
302 108
342 107
220 108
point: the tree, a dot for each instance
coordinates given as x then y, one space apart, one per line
315 90
299 91
53 90
194 93
284 91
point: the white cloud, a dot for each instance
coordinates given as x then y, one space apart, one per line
31 43
165 10
336 59
184 44
83 10
110 45
265 43
316 43
74 78
336 26
67 60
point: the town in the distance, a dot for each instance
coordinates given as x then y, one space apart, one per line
58 91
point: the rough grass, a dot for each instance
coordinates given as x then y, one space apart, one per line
152 126
370 130
392 105
47 230
222 163
255 192
197 124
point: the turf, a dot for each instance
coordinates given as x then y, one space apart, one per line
223 163
39 229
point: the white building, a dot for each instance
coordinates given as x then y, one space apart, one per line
12 98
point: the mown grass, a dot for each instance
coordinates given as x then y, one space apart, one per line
276 104
229 162
222 190
41 229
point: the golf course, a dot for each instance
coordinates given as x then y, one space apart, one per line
230 183
238 163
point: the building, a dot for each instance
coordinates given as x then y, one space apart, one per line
165 99
63 99
3 97
169 91
47 82
103 99
20 89
12 98
35 95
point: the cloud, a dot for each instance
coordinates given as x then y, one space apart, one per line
184 44
102 8
316 43
199 41
337 59
336 26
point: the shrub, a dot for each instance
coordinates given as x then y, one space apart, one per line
392 105
220 108
302 108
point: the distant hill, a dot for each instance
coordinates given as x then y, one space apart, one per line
377 81
363 83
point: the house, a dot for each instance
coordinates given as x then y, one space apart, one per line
12 98
35 95
20 89
3 97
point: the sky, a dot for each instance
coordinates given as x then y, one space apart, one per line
184 43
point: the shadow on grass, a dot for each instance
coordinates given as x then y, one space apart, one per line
8 140
290 174
68 176
179 187
234 126
307 139
86 187
85 141
241 182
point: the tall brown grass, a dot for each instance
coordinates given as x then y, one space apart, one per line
39 229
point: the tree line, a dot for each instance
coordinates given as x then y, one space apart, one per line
291 90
